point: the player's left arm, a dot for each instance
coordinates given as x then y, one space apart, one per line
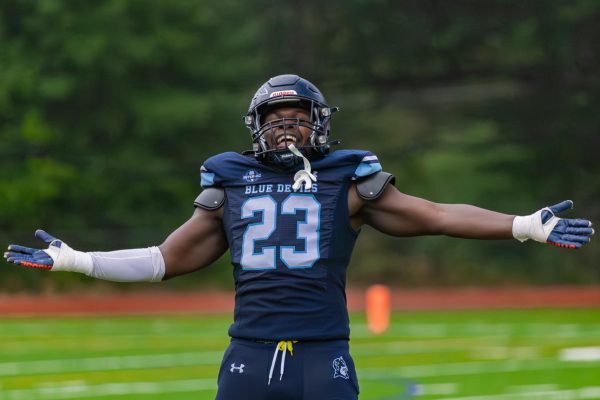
399 214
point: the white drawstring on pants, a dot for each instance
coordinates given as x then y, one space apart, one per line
283 346
304 176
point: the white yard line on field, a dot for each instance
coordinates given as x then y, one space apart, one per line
590 392
436 389
379 348
580 354
82 391
214 358
435 330
467 368
109 363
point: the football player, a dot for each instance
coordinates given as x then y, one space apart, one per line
290 212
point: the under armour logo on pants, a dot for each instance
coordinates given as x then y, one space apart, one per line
239 369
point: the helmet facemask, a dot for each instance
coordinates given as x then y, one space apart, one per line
288 91
273 148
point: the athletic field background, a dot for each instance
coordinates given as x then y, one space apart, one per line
541 353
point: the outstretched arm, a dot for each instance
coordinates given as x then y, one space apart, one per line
399 214
194 245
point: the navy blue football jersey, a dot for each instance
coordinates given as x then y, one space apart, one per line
289 249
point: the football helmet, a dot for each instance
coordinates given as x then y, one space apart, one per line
288 91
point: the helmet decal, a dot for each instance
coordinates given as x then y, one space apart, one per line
283 93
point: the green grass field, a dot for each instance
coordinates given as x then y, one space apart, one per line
541 354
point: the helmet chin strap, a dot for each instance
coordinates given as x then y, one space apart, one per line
304 176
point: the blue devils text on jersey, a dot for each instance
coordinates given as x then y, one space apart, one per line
290 250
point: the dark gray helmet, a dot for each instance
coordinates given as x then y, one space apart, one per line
291 91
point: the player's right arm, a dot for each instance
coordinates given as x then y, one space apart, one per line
194 245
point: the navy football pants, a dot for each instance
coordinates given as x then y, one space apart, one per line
315 371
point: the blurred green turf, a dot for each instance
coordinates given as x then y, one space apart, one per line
442 355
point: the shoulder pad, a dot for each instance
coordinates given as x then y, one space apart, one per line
372 186
210 199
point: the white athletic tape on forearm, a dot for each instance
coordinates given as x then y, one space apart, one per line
66 259
133 265
531 227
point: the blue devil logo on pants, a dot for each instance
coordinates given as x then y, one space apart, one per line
340 369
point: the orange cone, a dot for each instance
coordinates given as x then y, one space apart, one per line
378 301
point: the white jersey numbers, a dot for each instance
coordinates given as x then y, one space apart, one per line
264 259
307 230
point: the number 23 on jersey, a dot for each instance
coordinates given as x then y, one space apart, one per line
307 230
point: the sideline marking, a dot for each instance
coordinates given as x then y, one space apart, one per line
109 389
52 367
466 368
534 388
430 389
483 329
580 354
589 392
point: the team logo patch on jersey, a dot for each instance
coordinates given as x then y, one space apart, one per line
251 176
283 93
340 369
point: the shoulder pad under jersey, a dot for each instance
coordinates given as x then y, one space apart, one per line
371 187
210 199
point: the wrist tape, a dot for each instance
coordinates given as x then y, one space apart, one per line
531 226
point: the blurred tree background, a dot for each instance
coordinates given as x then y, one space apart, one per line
108 108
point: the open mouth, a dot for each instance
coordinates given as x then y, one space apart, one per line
283 141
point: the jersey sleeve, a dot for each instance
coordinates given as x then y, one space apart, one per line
368 165
211 172
207 177
223 170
